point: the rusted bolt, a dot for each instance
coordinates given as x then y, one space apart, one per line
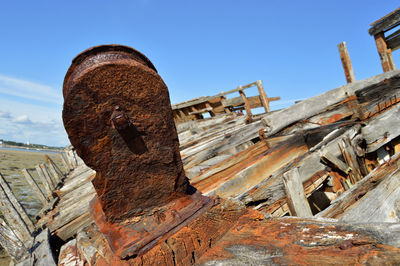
119 119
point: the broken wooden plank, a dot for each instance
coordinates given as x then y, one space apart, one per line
69 230
55 171
382 129
349 197
46 183
14 219
263 96
32 184
385 23
382 204
296 198
48 176
11 244
276 121
15 203
69 255
350 158
65 162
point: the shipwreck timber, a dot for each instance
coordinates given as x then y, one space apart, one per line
130 193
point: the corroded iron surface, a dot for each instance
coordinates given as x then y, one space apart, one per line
138 163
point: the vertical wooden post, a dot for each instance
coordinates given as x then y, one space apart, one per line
385 54
246 105
351 159
346 62
211 112
296 198
227 110
263 96
32 183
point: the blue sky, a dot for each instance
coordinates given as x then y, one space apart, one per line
199 48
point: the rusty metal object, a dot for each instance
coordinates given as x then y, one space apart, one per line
118 116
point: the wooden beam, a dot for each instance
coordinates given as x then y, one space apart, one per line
386 23
346 62
384 52
263 96
394 43
13 217
48 176
65 161
14 201
10 242
246 105
45 183
350 158
296 198
32 183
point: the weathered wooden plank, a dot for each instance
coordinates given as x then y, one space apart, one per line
42 253
246 105
346 62
18 207
386 23
32 184
14 219
350 158
85 177
296 198
10 242
382 204
69 230
263 96
382 129
56 172
68 214
394 43
276 121
69 255
46 183
65 162
369 182
50 178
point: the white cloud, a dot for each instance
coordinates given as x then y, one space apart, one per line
29 90
22 119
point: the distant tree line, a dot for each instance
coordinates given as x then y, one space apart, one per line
31 146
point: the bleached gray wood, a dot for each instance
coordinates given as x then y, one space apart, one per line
70 213
65 162
49 178
369 182
54 170
296 198
382 129
46 183
10 242
385 23
14 219
18 207
32 184
329 159
381 204
350 158
276 121
42 252
71 229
